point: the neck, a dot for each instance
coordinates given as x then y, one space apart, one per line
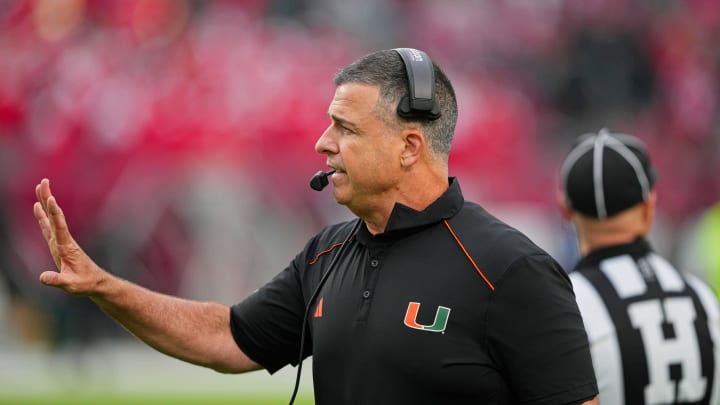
595 242
623 228
418 192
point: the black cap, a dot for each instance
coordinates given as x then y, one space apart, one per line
606 173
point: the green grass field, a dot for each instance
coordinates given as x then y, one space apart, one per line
126 372
280 398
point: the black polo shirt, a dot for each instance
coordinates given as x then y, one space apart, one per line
448 306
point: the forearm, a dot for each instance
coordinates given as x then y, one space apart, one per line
192 331
196 332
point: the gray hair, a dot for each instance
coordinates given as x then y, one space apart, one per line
386 70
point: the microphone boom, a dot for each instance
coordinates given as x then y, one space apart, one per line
320 180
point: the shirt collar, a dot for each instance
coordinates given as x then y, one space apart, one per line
404 219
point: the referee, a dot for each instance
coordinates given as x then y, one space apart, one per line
654 331
423 298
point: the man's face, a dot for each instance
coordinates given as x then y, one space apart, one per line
364 150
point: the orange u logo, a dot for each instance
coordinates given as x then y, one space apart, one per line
441 318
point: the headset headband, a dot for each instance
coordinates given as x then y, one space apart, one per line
420 103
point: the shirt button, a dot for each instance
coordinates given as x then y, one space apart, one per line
374 263
366 294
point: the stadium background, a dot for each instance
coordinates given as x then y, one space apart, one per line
178 136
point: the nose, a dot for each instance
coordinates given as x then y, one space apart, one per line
325 145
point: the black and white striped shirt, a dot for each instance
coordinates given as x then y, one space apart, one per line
654 332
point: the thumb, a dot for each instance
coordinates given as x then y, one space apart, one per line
50 278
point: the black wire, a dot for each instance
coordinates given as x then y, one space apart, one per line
324 278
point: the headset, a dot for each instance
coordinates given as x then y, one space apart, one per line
420 103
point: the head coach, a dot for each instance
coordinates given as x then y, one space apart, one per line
424 298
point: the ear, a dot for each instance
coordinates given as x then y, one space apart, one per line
649 211
562 205
414 146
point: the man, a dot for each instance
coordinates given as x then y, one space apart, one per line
425 298
653 330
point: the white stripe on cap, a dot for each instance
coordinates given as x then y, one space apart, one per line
634 162
598 149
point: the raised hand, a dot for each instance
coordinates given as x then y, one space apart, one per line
77 274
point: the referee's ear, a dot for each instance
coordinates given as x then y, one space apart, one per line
648 212
562 205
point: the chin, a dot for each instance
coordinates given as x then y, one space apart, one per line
340 200
340 197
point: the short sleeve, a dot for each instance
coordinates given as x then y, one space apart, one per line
536 334
266 325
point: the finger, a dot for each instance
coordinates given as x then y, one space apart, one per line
51 278
42 191
58 223
39 212
43 221
37 196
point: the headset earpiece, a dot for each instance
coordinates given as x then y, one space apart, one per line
420 102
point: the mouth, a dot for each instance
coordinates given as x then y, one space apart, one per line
336 170
337 176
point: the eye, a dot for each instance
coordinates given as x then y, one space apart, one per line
343 129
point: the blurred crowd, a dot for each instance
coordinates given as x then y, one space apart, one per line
178 134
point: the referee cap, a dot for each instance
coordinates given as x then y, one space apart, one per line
606 173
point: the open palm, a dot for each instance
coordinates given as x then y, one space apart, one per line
77 273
